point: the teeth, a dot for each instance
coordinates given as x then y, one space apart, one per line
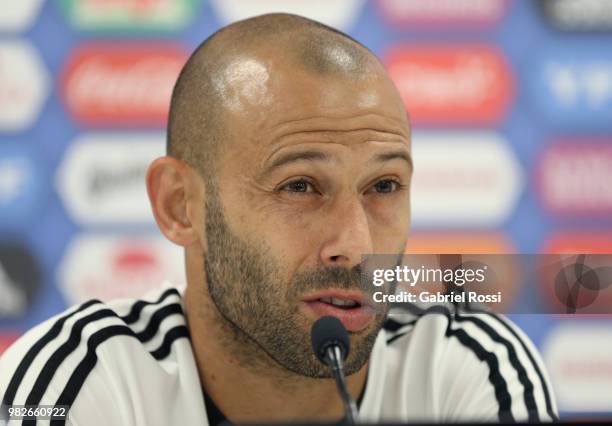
339 302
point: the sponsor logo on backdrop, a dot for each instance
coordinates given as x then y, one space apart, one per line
129 14
21 185
578 15
463 179
574 178
24 85
452 84
578 359
339 14
102 178
18 15
579 242
6 340
126 85
106 266
20 279
468 13
573 86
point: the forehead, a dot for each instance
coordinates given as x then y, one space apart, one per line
267 98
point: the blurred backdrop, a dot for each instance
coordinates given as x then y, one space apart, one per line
511 103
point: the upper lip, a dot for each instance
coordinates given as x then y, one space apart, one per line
356 296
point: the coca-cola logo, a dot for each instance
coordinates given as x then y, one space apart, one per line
451 84
107 267
126 85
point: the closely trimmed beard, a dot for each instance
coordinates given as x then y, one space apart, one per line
259 310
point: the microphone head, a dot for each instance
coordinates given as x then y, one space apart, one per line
329 331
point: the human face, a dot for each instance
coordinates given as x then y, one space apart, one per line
315 173
248 288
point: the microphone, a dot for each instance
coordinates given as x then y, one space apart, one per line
330 343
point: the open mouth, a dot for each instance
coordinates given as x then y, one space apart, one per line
350 307
340 303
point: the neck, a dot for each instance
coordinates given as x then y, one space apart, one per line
254 393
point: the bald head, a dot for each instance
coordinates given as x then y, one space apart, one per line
299 147
209 83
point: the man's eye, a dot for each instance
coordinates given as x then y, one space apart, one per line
386 186
298 186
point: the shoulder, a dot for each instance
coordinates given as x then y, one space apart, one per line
476 363
95 343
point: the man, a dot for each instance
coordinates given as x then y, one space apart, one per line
288 158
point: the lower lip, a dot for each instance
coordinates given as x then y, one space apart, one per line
354 319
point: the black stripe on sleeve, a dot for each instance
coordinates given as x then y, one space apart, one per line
171 336
397 336
401 332
73 342
54 332
89 362
502 395
80 374
53 363
528 387
500 387
153 327
28 359
138 306
536 367
392 325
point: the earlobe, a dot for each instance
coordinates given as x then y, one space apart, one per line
170 188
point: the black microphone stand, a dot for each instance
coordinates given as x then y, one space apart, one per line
334 360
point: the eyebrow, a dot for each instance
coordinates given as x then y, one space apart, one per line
292 157
399 155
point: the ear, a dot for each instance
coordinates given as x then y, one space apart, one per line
176 193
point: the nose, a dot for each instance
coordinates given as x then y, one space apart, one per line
347 234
